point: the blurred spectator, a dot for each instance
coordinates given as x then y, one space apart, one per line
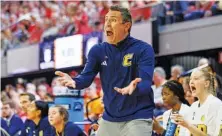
201 9
95 107
13 95
36 29
159 78
140 11
31 88
50 29
176 71
71 9
48 98
216 9
159 12
103 8
90 10
57 88
203 61
42 91
7 41
14 122
175 10
81 21
4 96
20 85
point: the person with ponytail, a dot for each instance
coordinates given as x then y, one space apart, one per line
174 97
204 112
58 119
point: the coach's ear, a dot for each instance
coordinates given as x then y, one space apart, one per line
127 26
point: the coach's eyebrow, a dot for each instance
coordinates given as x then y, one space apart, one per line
111 16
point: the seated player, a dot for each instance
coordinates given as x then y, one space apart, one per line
58 118
37 120
174 97
203 116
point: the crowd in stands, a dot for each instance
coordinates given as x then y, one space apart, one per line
27 23
45 92
14 103
178 11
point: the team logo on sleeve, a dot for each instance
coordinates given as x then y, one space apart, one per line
127 60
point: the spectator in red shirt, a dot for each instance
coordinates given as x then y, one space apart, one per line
81 21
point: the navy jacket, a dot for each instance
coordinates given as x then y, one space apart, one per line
71 129
15 125
42 129
118 66
4 126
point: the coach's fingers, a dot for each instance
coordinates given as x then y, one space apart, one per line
59 73
123 91
60 79
118 89
64 82
137 80
126 90
70 84
130 91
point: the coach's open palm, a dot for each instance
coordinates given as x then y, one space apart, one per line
65 79
130 88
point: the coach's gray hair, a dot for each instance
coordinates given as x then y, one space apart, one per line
124 12
160 71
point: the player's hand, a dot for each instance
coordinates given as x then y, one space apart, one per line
179 120
130 88
157 127
65 79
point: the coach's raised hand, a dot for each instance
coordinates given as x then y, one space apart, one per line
65 79
130 88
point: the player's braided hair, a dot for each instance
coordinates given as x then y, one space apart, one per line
209 75
177 90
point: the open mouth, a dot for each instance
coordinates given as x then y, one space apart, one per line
109 33
193 88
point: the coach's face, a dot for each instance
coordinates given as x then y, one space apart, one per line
114 28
